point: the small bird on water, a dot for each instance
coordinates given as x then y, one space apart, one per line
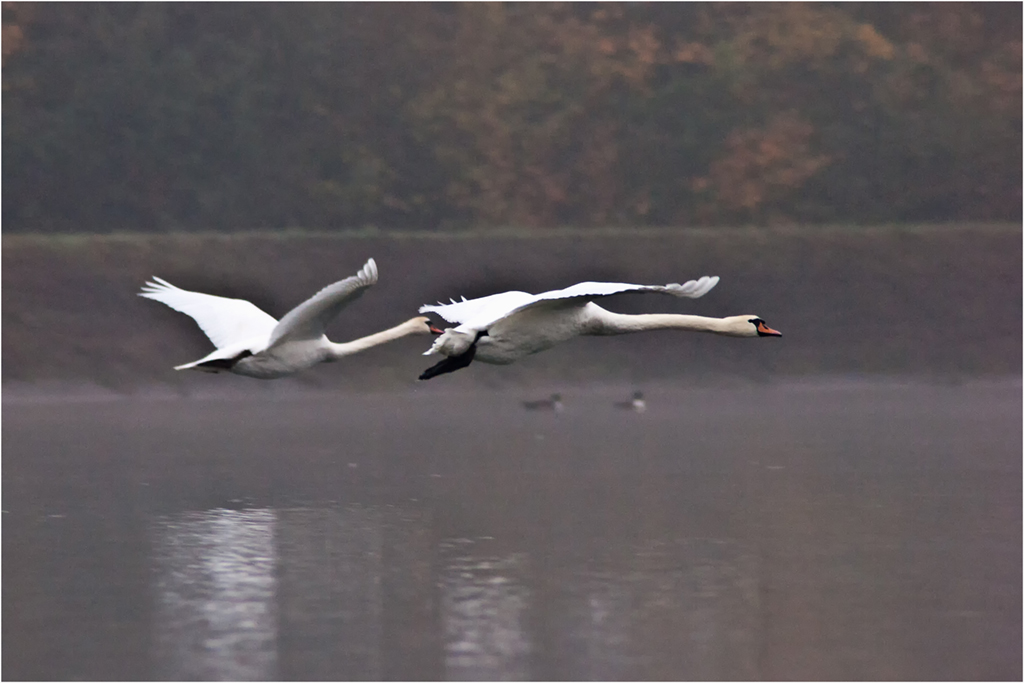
554 403
637 405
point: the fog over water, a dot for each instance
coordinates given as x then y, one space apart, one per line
818 529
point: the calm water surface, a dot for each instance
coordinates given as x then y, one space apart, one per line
807 530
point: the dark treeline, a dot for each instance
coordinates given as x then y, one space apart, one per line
227 116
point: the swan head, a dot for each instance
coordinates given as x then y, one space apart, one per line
422 325
747 326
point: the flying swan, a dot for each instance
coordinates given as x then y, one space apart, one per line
502 328
249 342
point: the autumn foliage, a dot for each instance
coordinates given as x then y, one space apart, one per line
153 116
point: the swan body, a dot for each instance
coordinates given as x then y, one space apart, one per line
503 328
252 343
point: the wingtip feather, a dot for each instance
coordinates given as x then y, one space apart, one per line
693 289
369 271
156 285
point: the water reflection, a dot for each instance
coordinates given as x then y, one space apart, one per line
483 613
305 593
331 594
298 593
216 616
356 594
685 609
875 534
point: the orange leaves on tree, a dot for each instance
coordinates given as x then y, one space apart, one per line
522 110
760 166
776 35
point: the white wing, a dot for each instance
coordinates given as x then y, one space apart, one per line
308 319
694 289
479 314
493 307
225 321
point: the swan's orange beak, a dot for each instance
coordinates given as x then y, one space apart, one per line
435 330
766 331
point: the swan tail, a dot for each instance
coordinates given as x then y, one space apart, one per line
215 362
435 348
202 367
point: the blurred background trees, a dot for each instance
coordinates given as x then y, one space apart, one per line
153 116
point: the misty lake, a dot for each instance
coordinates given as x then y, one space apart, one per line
825 529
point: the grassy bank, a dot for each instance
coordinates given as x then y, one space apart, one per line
941 300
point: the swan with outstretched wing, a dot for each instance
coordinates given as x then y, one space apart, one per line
252 343
502 328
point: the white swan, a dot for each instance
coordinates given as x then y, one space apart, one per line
250 342
503 328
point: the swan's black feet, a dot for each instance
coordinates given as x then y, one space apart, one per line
450 364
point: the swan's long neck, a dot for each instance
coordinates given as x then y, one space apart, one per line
336 351
604 322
